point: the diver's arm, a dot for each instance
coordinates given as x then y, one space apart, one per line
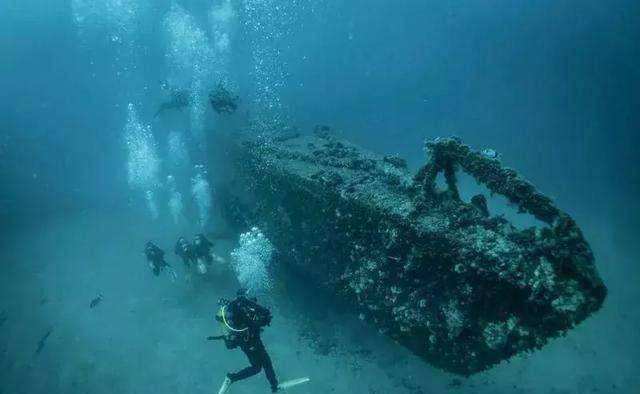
231 341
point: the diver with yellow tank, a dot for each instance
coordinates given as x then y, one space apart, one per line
242 321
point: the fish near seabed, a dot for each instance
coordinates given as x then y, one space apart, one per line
43 342
95 301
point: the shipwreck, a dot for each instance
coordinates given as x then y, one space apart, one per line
462 289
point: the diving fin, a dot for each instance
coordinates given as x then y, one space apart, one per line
174 275
293 382
225 386
202 269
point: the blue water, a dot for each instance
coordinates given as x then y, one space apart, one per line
553 86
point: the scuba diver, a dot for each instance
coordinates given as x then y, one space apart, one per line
155 257
203 254
243 320
185 250
222 101
202 248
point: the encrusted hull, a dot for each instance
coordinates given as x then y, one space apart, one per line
458 287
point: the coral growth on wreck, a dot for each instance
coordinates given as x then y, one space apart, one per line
459 287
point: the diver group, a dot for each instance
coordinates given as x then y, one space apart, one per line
242 319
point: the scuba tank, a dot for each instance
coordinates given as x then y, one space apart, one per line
243 313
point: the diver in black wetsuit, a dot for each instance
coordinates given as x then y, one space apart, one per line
185 250
202 252
155 256
222 101
202 248
244 319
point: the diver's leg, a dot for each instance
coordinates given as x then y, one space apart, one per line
254 369
268 370
174 275
245 373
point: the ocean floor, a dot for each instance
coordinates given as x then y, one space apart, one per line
147 335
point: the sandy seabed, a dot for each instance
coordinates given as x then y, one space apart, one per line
148 333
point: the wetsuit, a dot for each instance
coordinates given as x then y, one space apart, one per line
155 255
185 251
202 248
250 343
245 314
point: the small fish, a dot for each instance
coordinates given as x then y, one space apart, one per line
43 341
3 318
95 301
